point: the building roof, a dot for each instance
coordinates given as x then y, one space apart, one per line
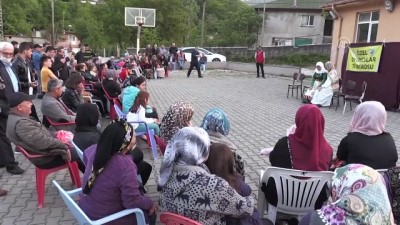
339 2
293 4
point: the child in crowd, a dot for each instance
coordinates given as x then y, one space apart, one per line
203 62
222 153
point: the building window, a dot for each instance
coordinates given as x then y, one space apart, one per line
307 21
367 27
281 41
72 38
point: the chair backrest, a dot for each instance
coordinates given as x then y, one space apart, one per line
55 124
340 84
295 76
363 89
75 210
350 85
297 190
302 77
106 93
168 218
27 155
78 151
118 109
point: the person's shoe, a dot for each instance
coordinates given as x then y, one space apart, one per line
3 192
187 76
258 76
200 76
16 170
264 77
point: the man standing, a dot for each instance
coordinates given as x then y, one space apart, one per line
88 54
195 62
173 55
259 56
26 75
36 54
60 67
10 84
79 55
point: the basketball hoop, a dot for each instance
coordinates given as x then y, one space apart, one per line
139 20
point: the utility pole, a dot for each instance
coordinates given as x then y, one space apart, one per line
52 23
1 23
263 25
202 23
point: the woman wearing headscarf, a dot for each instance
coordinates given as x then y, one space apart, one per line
323 94
217 125
187 188
359 196
367 142
179 115
110 180
86 132
305 149
318 79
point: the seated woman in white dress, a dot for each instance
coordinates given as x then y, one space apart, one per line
318 79
323 94
138 114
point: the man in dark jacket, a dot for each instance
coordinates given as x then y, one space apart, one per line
195 63
22 65
9 84
79 55
60 67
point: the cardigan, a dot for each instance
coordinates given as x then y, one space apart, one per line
377 152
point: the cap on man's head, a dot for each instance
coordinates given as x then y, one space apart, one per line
37 46
17 98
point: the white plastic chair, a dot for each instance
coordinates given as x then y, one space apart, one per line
83 219
78 151
297 190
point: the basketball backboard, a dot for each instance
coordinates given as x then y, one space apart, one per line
140 16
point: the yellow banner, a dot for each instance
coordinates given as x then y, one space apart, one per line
364 59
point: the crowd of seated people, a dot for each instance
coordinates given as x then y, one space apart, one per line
192 181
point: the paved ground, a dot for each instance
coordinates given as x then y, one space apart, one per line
259 112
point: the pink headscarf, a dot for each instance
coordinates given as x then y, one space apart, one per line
369 118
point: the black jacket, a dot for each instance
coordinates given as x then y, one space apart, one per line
20 67
79 57
112 87
86 136
6 91
72 99
59 68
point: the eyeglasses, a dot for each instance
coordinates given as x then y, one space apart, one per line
7 53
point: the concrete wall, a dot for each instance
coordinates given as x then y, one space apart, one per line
34 40
272 51
345 26
287 24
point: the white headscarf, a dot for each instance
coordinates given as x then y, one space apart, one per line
189 146
369 118
323 70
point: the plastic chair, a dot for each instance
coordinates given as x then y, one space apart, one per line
297 190
151 140
168 218
78 151
118 109
41 174
48 122
355 98
83 219
338 94
113 114
296 78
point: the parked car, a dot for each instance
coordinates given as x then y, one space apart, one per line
211 57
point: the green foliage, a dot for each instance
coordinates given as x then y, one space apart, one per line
227 22
301 60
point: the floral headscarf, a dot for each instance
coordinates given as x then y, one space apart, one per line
189 146
359 197
178 116
216 120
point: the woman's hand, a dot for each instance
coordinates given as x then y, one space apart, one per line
153 209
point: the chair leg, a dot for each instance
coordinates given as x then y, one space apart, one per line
41 176
272 213
288 89
292 91
74 173
337 103
344 107
153 144
351 108
297 92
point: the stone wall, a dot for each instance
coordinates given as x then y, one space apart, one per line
272 51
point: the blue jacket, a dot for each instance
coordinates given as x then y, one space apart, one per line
36 60
128 97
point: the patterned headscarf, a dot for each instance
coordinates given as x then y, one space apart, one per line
369 118
216 120
114 139
178 116
359 197
189 146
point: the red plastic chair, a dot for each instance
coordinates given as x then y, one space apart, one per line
168 218
41 174
56 124
113 114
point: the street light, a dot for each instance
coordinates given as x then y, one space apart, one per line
52 23
202 23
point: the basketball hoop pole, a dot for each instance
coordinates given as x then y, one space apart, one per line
138 38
